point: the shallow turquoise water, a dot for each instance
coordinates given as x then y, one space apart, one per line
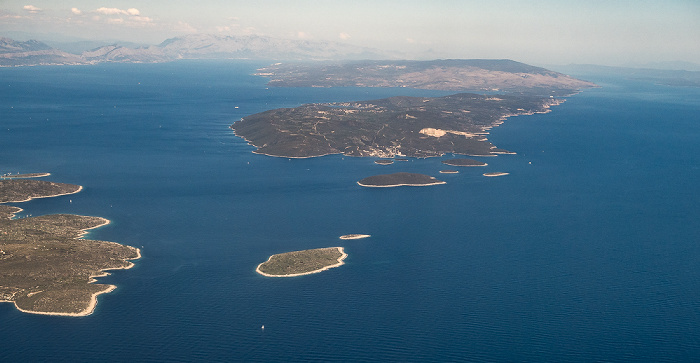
587 251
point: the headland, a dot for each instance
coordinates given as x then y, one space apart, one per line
47 268
22 190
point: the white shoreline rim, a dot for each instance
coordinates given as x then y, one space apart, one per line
14 214
26 176
342 257
355 236
464 166
400 185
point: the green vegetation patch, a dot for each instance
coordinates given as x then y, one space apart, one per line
385 128
20 190
302 262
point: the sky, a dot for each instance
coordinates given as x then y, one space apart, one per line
610 32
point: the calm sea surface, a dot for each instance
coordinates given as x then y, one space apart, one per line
589 250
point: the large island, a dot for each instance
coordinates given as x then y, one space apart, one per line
396 126
403 126
45 267
475 75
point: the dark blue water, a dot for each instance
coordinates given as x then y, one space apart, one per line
589 250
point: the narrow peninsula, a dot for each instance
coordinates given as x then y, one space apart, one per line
22 190
304 262
399 179
464 162
27 175
354 236
384 161
46 267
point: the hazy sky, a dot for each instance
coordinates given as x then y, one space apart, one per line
612 32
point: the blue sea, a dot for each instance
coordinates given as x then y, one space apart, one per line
588 251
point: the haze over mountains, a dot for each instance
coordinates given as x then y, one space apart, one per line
209 46
199 46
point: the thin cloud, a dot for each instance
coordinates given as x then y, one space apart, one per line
117 11
110 11
344 36
8 15
184 27
129 17
31 8
142 19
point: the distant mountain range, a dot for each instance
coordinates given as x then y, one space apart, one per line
200 46
32 52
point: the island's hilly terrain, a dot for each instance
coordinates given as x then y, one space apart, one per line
45 268
474 75
32 53
404 126
296 263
